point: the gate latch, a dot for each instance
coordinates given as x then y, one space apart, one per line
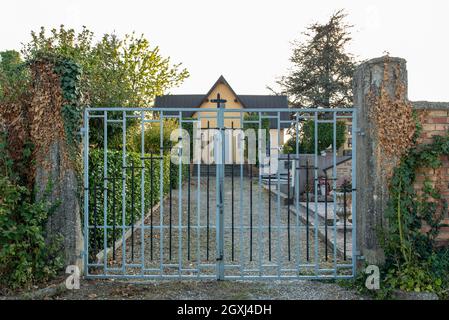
220 258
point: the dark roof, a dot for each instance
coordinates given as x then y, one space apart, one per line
269 102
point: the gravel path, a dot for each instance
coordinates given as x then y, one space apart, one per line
250 254
206 290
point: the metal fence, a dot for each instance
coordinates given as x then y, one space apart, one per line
218 210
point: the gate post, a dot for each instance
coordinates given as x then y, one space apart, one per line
219 175
377 83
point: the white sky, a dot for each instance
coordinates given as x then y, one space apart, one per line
249 42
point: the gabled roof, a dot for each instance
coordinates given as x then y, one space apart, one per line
269 102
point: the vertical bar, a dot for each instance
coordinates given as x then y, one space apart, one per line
86 191
297 179
180 196
170 215
307 211
113 216
325 218
124 164
269 201
151 206
251 212
316 222
105 189
161 192
188 211
207 191
132 210
262 155
334 187
242 147
198 204
232 192
278 211
354 192
288 206
344 223
220 197
142 193
95 218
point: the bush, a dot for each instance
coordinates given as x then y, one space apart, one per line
25 256
114 165
307 137
152 136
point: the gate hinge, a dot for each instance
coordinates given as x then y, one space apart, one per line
359 132
359 256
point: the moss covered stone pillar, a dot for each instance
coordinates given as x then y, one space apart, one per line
54 133
386 125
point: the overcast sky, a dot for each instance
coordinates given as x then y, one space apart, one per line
249 42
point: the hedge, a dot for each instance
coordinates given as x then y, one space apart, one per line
114 174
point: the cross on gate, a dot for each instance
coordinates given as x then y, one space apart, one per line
220 102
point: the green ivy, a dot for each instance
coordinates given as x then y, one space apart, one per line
72 111
413 261
27 256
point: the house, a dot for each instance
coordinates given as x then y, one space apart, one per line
234 101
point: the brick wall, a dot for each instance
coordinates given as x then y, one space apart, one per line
434 118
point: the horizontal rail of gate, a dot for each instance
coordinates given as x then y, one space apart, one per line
233 196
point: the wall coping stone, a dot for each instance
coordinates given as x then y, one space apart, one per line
429 105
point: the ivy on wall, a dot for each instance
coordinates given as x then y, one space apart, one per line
413 262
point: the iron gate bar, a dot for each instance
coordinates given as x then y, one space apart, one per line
242 144
180 154
188 212
334 179
161 188
288 205
105 191
232 191
198 194
124 175
269 202
316 192
344 223
325 216
297 177
142 195
278 209
95 217
259 186
170 208
251 212
307 211
354 192
207 190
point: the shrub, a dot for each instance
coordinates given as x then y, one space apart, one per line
307 137
25 256
114 173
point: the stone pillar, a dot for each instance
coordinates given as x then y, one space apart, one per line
56 169
378 84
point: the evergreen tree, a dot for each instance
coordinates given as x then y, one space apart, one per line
322 70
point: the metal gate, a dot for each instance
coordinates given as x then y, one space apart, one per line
230 194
